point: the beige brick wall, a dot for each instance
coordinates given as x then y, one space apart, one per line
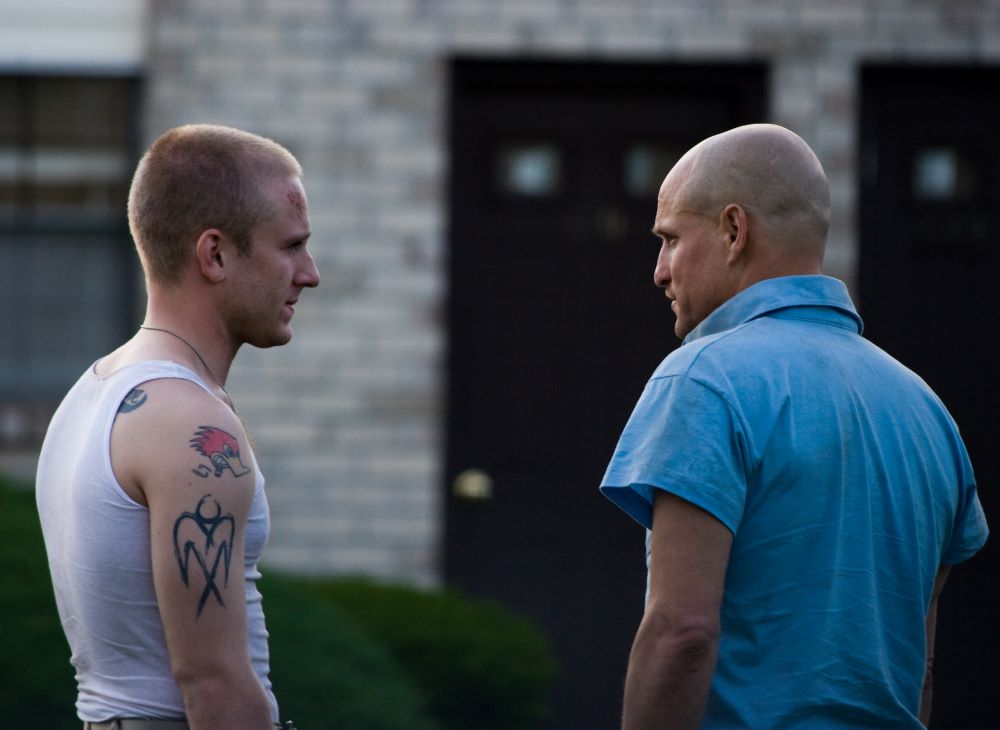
348 418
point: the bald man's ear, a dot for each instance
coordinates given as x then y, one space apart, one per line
734 227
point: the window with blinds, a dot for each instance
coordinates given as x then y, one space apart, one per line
67 268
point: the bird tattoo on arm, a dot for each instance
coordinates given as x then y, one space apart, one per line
205 540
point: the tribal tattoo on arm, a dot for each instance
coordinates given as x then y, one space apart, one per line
207 541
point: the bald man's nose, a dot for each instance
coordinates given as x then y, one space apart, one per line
661 274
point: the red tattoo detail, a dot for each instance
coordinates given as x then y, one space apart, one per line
221 448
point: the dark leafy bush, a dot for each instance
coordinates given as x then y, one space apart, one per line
37 689
328 673
480 667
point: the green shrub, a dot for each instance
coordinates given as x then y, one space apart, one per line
327 673
480 667
37 689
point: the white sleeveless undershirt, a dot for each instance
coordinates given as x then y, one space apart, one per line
97 539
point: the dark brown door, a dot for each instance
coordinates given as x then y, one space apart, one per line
555 326
929 266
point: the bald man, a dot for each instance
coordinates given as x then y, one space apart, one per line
804 493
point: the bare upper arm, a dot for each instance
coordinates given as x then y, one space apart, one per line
939 581
931 617
690 555
185 455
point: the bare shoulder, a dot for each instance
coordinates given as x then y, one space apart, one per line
171 430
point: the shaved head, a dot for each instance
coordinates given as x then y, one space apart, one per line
740 207
768 170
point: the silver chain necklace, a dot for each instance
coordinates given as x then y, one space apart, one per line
200 357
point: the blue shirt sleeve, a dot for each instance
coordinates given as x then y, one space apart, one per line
684 438
970 531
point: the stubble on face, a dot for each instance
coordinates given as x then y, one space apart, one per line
695 285
267 283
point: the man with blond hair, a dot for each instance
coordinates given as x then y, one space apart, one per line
805 494
151 500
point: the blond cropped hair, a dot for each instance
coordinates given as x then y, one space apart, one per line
197 177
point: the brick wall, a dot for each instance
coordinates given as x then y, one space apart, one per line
348 418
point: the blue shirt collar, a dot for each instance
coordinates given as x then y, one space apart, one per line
770 295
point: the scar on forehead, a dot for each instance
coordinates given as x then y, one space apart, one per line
298 202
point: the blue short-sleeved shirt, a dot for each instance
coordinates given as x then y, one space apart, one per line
845 484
